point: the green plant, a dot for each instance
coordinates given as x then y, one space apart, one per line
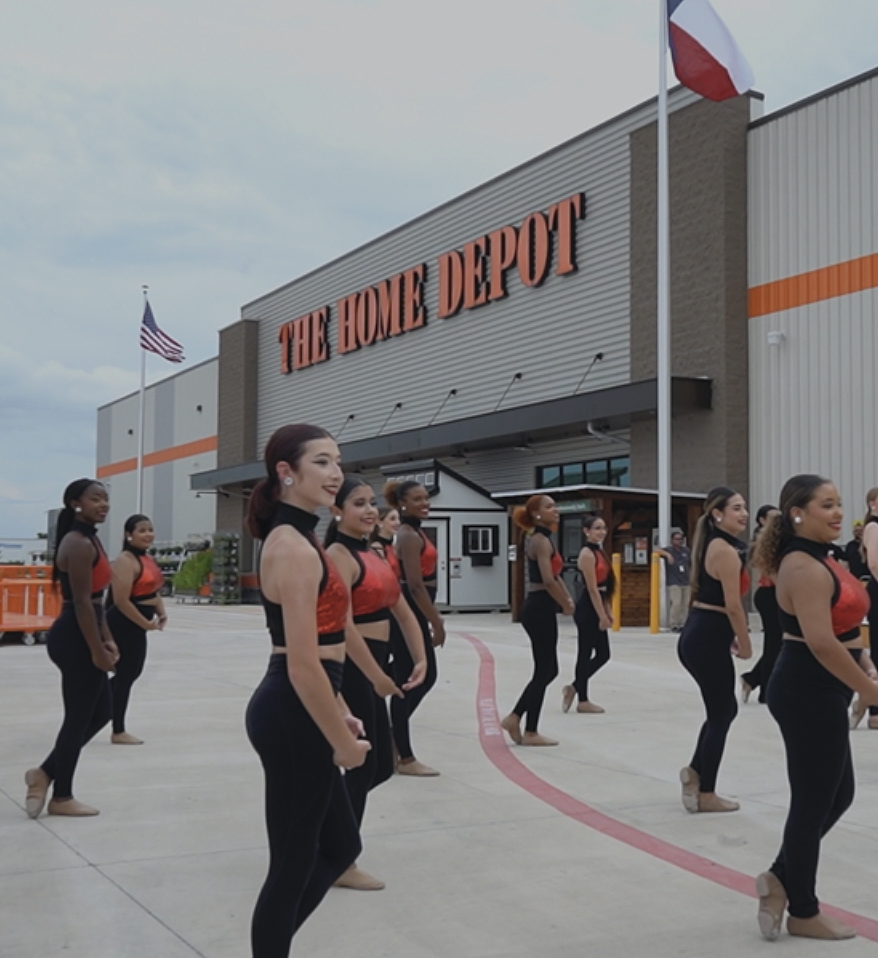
194 572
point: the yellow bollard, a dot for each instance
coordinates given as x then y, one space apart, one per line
655 579
617 594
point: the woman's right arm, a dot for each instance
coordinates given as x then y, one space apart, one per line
587 563
809 591
409 545
292 571
78 554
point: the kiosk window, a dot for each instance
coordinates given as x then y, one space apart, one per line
481 543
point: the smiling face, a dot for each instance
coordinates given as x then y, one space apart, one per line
389 524
733 518
142 535
317 476
548 514
821 518
417 502
93 504
597 532
359 513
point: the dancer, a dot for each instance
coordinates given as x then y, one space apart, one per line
294 719
80 644
375 596
593 616
546 596
417 561
870 556
821 607
134 607
715 630
384 535
765 600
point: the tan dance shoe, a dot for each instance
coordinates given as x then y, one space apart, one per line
358 880
691 783
534 738
713 803
858 712
125 738
590 708
37 788
820 926
772 904
512 726
71 808
415 768
568 694
746 690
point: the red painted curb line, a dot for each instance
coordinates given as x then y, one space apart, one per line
498 752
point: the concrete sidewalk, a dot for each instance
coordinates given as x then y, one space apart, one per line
510 853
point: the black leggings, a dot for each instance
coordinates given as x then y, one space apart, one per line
872 617
312 834
765 601
131 640
360 696
811 707
85 691
402 709
539 617
593 645
704 649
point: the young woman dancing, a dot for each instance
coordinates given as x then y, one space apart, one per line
765 600
821 663
417 561
375 598
295 721
80 644
134 607
593 616
715 631
546 596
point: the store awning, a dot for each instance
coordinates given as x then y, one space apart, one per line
612 408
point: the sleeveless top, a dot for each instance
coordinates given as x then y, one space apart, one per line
534 575
333 599
101 572
389 554
376 590
850 601
148 582
868 522
429 553
602 567
709 590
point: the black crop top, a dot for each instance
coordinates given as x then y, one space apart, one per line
709 590
850 601
534 576
333 598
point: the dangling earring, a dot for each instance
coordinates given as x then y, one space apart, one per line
288 481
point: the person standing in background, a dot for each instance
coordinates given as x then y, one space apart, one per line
678 568
853 554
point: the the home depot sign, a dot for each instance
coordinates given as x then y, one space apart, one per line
467 278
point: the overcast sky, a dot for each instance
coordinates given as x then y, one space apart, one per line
216 150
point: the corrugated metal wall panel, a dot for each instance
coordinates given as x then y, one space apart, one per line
550 333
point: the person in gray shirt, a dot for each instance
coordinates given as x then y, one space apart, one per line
678 563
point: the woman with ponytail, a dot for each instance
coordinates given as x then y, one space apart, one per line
869 552
715 630
765 600
134 607
384 535
417 562
80 645
821 663
546 597
375 600
593 616
295 720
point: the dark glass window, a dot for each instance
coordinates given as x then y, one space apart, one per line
572 474
620 471
596 473
550 477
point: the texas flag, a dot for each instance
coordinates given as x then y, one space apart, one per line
706 57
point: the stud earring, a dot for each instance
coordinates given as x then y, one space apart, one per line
538 517
338 518
797 519
78 509
288 481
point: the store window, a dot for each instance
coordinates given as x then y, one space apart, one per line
598 472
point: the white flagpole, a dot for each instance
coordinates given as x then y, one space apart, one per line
142 418
663 326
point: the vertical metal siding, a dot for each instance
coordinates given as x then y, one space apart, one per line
813 204
550 334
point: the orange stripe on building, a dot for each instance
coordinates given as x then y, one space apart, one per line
171 454
854 276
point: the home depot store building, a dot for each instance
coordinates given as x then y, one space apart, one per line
509 335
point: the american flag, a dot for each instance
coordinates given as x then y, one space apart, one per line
153 340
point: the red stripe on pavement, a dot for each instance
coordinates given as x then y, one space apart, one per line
498 752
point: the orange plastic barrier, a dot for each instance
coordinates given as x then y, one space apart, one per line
28 605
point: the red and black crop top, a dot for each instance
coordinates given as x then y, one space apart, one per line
602 569
534 575
101 571
850 601
429 552
149 580
376 590
709 590
332 599
389 554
